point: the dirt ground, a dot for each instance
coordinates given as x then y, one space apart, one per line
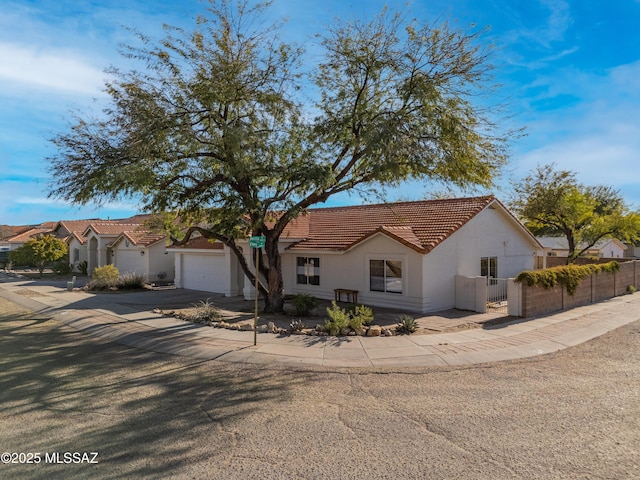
573 414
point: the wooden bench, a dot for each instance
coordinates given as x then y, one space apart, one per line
353 294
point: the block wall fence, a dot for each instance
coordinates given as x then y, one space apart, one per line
537 300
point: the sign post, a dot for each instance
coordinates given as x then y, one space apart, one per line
257 243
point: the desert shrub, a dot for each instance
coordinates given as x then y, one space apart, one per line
303 303
354 318
631 289
406 324
363 313
62 267
296 326
132 281
204 311
84 267
103 278
338 319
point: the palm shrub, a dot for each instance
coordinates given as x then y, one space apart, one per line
406 324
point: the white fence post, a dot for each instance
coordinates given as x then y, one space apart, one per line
514 298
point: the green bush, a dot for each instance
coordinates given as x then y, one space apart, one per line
631 289
338 319
103 278
84 267
363 313
406 324
303 303
63 268
568 276
132 281
354 318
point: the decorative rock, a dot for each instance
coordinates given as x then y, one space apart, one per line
374 331
263 328
246 327
345 331
271 327
360 331
387 332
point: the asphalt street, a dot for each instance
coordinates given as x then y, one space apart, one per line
570 414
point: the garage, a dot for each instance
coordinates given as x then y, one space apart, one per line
204 272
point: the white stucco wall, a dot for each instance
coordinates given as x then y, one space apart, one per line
429 280
161 262
208 270
350 270
489 234
74 244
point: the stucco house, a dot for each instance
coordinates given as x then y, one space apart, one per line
71 232
30 233
404 255
131 247
604 248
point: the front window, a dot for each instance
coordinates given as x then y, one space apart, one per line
385 276
489 268
308 271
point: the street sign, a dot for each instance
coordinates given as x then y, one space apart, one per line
257 242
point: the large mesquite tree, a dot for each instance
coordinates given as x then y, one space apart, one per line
225 127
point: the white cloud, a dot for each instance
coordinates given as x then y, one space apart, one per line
29 66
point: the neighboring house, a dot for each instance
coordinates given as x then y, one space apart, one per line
144 253
404 255
633 250
30 233
130 247
71 231
9 231
604 248
206 266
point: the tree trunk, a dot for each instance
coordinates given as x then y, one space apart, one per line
571 256
274 300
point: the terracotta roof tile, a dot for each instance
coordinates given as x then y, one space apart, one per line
140 238
30 234
420 225
201 243
112 228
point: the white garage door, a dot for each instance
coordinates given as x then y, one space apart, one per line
204 272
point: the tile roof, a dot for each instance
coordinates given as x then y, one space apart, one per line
31 234
112 227
420 225
141 238
200 243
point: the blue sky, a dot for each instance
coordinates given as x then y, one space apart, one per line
570 71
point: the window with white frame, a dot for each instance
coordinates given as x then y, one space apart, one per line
385 276
307 271
489 268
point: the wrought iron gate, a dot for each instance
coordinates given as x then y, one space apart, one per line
497 295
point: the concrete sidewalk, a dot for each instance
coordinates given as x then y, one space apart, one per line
128 319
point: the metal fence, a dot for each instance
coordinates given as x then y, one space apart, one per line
497 295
